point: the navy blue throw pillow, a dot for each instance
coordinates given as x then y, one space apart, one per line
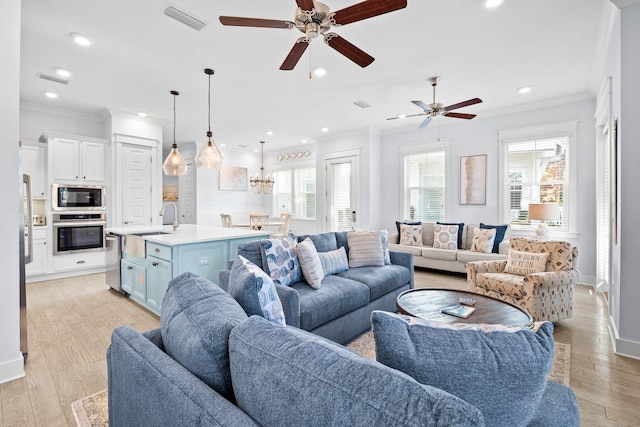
398 223
500 231
460 228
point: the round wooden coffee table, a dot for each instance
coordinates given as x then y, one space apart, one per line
428 303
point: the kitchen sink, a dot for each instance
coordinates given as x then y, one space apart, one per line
135 245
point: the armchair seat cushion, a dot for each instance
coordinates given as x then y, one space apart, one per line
502 283
335 297
441 254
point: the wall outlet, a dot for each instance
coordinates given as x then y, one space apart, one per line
203 260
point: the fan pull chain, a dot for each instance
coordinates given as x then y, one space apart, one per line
310 72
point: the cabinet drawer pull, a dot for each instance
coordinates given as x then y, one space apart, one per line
81 262
129 267
156 250
154 263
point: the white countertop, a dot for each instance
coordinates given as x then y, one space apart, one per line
187 233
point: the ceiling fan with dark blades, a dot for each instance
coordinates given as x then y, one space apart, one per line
314 18
436 109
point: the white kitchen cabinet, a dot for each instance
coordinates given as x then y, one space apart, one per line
77 160
40 253
34 164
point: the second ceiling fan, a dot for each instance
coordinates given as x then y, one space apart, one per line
436 109
314 18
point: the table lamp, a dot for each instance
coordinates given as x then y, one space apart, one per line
544 212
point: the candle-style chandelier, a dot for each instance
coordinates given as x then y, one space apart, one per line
260 184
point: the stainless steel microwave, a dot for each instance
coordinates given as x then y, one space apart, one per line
78 197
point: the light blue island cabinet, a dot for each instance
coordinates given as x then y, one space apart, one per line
203 250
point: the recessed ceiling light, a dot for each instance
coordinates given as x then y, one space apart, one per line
269 132
63 72
492 3
524 89
255 150
142 114
51 95
402 116
304 141
324 129
80 39
319 71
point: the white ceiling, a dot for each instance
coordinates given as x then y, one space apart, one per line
139 55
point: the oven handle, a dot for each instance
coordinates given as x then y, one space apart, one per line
78 223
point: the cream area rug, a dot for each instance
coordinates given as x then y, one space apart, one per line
91 411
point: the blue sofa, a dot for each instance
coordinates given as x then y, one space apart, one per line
340 309
211 365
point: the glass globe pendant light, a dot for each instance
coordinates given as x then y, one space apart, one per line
174 163
209 156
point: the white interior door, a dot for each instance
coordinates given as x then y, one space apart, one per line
187 195
342 211
136 188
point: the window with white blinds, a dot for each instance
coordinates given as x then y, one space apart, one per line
294 192
537 170
425 186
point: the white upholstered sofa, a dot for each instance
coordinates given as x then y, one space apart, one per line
446 259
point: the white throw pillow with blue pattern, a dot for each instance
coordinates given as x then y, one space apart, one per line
310 263
282 260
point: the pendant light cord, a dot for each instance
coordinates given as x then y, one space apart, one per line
174 119
209 101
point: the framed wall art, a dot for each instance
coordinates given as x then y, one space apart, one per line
233 178
473 180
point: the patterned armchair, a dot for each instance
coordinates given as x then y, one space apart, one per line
547 295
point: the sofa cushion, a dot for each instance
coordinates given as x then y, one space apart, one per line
445 236
483 240
334 298
502 372
469 256
460 231
253 252
410 235
502 283
500 234
280 260
287 377
323 242
560 252
559 407
255 291
334 261
380 280
441 254
196 318
310 264
365 249
523 263
415 250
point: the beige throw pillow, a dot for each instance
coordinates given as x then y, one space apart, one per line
411 235
365 249
523 263
309 259
483 240
445 236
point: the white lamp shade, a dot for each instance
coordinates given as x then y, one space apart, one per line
544 211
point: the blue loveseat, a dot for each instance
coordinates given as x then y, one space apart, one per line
341 307
211 365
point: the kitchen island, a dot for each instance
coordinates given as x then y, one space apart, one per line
151 256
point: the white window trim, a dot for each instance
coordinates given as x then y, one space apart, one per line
292 167
425 147
569 129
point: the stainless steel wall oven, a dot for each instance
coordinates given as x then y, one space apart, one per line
78 232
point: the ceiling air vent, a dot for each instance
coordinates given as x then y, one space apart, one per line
52 78
185 18
360 103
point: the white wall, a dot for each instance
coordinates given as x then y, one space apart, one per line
34 121
11 362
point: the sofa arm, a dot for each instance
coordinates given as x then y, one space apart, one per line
547 279
404 259
149 388
290 300
473 268
223 279
394 238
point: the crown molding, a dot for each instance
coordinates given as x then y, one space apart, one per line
98 117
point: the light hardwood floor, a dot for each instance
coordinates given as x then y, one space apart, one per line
70 323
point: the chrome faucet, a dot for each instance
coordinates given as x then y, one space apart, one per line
175 224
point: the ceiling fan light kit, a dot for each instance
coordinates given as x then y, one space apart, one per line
174 164
315 19
209 156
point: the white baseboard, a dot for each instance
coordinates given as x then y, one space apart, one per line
587 280
12 369
622 347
